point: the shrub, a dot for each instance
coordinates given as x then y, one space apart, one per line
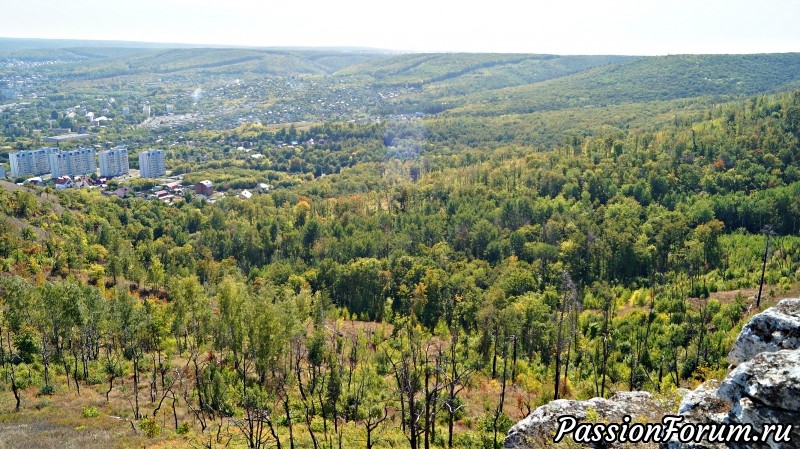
150 427
95 379
183 429
467 440
90 412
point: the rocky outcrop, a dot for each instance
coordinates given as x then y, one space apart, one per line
771 330
763 389
766 390
702 406
539 428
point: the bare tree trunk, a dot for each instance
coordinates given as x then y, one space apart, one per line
14 387
174 410
557 383
494 353
499 411
136 414
75 373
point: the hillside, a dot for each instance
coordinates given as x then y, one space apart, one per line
117 62
430 246
296 85
470 262
642 80
472 69
93 62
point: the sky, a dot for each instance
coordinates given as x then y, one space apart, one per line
632 27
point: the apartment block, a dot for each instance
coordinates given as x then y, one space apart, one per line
114 162
31 163
151 163
71 163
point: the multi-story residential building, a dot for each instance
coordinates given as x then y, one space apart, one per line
75 162
32 162
59 164
114 162
151 163
83 161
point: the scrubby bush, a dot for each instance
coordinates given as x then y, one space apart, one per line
90 412
183 429
150 427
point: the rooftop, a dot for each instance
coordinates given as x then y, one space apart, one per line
67 137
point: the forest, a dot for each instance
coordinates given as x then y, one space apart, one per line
417 282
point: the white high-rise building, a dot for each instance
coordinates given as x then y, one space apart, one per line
114 162
151 163
59 164
84 161
75 162
32 162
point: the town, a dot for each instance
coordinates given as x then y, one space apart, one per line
78 168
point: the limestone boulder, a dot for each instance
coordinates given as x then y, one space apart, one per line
766 391
772 330
538 429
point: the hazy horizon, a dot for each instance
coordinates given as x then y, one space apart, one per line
570 27
112 43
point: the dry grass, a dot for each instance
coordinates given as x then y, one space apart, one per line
57 422
43 433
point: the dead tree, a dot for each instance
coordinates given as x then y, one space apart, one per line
406 367
567 308
456 379
433 386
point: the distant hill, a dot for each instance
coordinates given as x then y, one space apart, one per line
101 62
187 59
467 72
20 44
642 80
383 83
121 57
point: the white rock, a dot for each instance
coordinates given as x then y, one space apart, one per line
766 390
771 330
538 428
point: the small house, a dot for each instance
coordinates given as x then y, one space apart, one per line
204 188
